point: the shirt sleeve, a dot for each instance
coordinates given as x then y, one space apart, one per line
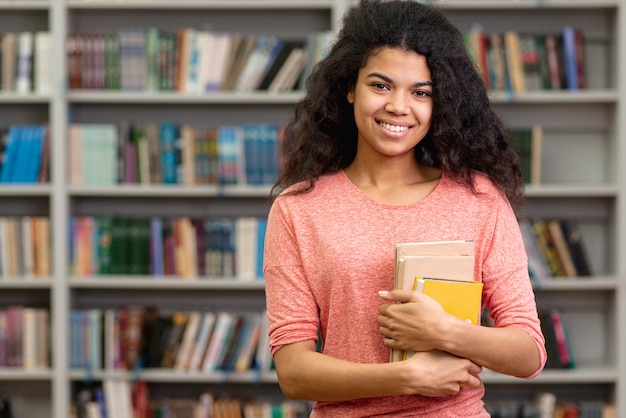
291 307
507 287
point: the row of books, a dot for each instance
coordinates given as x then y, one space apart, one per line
24 247
519 61
556 331
169 153
547 405
555 248
24 154
190 60
124 399
25 58
24 337
138 337
190 248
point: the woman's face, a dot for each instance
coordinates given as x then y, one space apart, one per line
392 102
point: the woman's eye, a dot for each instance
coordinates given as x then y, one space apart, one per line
422 93
379 86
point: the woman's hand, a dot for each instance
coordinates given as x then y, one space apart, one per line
446 373
416 323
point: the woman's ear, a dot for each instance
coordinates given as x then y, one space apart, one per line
350 97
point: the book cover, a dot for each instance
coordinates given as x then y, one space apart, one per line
562 249
545 242
569 58
444 259
461 298
202 340
187 344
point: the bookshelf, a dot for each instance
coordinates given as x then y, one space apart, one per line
584 145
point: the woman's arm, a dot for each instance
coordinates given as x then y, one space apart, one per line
421 324
304 373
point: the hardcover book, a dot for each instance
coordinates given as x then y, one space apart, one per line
461 298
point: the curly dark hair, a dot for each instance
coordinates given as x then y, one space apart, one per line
465 136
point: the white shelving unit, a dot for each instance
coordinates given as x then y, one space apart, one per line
585 145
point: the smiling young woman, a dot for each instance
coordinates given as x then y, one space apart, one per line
395 141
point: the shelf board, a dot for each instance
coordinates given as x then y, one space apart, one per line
556 96
24 4
16 374
583 375
200 4
572 190
577 284
525 4
171 376
262 97
156 283
15 98
35 189
24 283
175 190
170 97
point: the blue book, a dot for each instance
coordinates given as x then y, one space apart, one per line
569 58
269 152
168 137
38 133
10 154
156 246
261 227
23 154
252 158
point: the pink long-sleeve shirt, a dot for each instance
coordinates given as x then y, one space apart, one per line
328 252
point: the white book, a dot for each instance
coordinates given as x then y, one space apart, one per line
110 398
28 256
23 81
206 44
246 229
222 50
187 342
202 339
124 398
224 321
29 338
43 73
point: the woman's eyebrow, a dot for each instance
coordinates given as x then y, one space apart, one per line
389 80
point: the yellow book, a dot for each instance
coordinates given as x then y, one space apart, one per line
461 298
